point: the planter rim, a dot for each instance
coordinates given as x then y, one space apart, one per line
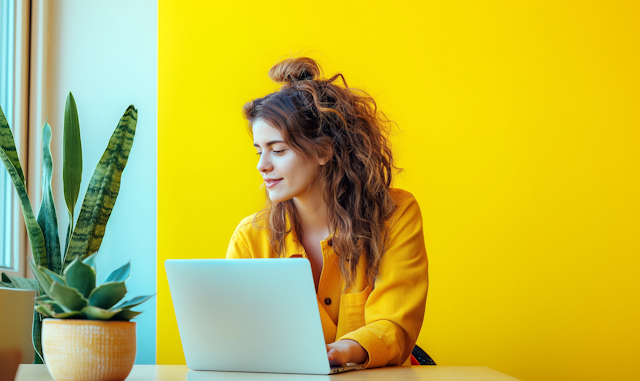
86 322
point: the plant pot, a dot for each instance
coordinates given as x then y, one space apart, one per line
88 350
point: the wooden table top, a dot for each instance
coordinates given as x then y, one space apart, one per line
182 373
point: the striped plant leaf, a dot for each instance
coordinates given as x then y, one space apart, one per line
103 190
36 337
5 281
9 156
24 283
47 216
36 238
71 161
8 145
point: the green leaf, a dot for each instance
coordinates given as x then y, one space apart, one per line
91 261
5 281
135 301
44 310
9 157
71 159
54 277
125 315
8 146
36 337
120 274
107 295
47 217
33 229
43 299
81 277
68 298
103 190
44 280
96 313
24 283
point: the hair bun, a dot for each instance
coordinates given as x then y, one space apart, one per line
295 69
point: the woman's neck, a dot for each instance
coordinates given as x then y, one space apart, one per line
312 213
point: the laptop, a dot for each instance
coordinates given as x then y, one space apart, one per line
249 315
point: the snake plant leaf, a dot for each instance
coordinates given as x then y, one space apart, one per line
103 189
68 298
33 229
97 313
54 277
5 281
91 260
24 283
44 280
81 277
120 274
135 301
125 315
107 295
8 146
47 217
36 337
71 160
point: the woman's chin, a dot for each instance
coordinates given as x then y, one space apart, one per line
276 197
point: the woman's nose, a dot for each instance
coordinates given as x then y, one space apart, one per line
263 164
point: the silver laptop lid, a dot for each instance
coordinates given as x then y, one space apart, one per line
248 315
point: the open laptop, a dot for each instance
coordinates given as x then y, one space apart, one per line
249 315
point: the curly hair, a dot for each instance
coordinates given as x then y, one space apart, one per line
318 118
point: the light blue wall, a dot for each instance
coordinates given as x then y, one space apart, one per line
106 53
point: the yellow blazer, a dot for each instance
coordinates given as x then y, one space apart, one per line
386 318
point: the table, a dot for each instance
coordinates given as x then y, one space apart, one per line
182 373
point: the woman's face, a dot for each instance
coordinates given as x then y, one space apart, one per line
286 173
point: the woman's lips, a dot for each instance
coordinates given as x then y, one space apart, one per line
272 183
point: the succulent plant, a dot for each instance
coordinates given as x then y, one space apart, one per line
74 295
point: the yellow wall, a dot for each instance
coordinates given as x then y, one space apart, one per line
521 132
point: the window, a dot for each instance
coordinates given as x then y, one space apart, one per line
8 259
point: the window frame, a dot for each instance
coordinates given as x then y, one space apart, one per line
17 113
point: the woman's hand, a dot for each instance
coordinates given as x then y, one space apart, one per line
344 351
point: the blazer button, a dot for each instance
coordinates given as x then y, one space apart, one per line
327 301
330 242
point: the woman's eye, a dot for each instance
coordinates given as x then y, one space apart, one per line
276 152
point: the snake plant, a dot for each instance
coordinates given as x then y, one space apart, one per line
83 238
74 295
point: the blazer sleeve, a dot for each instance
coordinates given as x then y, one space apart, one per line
238 244
394 311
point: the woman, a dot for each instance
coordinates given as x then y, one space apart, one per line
327 166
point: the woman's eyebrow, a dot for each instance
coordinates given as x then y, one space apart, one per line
270 143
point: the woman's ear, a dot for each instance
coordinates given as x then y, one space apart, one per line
324 159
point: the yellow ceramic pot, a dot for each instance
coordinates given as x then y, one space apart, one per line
88 350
